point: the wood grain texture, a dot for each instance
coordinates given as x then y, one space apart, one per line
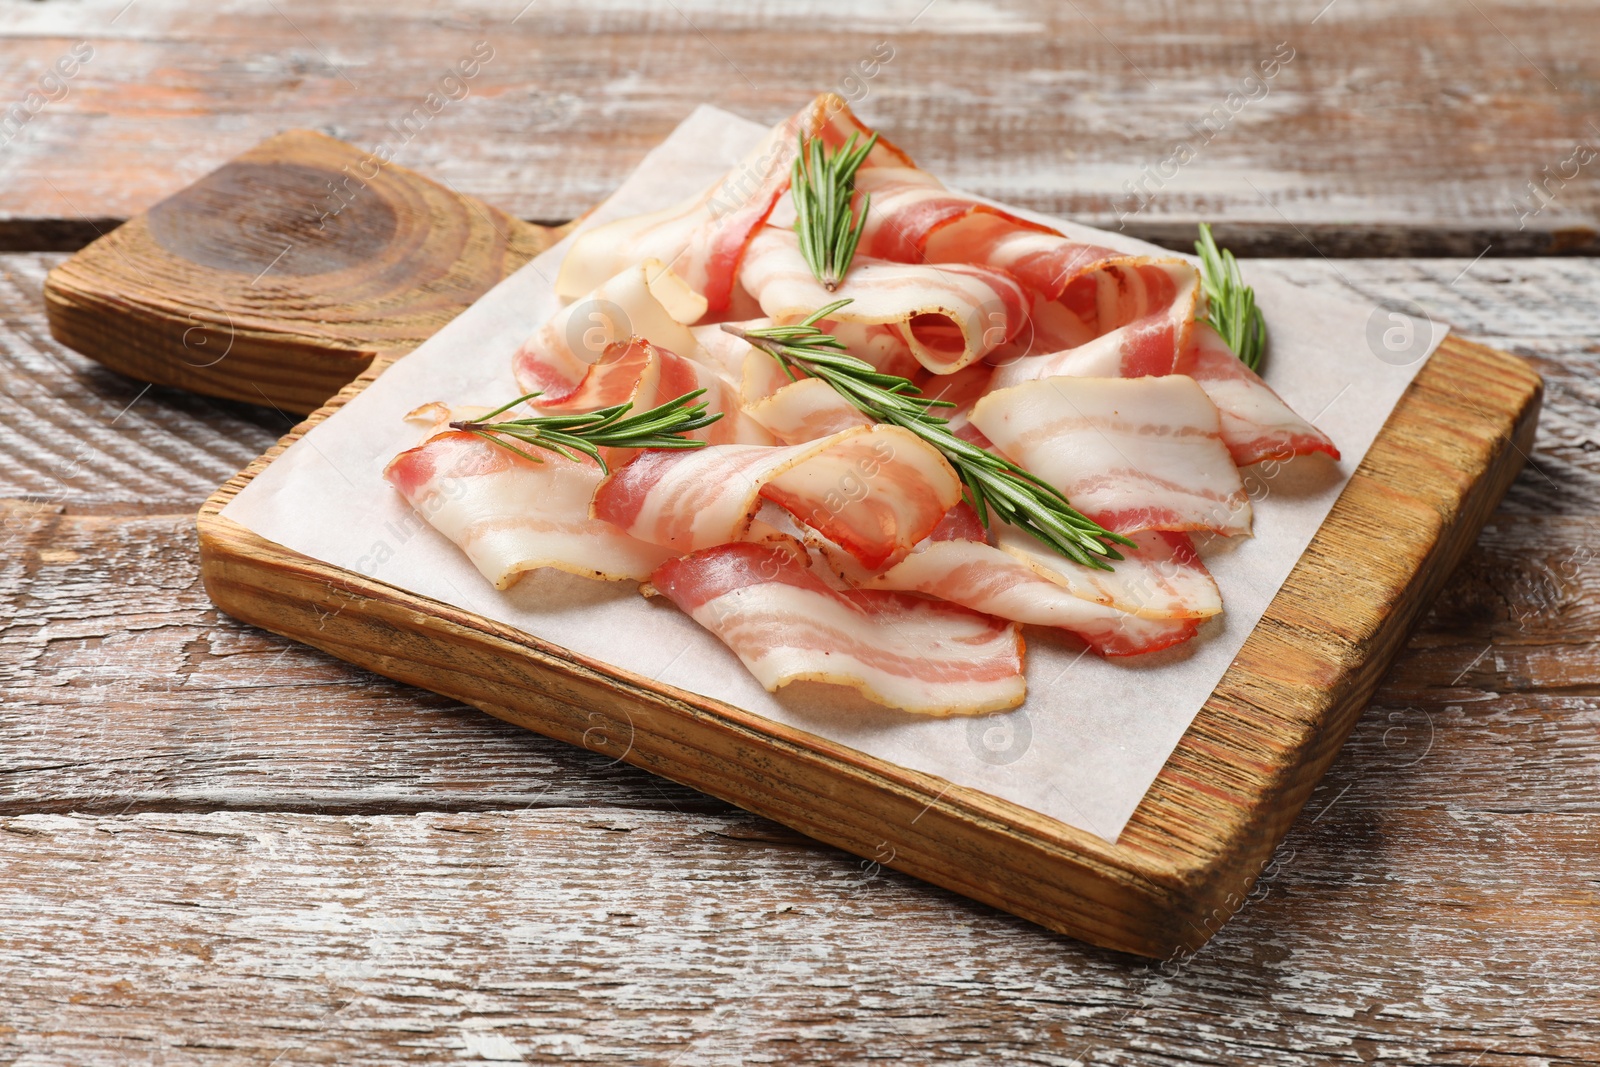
1427 911
1191 852
659 938
1398 128
277 277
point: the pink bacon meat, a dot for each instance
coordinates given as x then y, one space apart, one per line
1154 598
511 516
704 239
949 316
1256 423
786 625
875 490
1131 453
646 376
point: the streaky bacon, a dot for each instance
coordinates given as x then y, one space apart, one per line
982 578
875 490
1142 314
794 411
1131 453
786 625
645 375
704 238
915 219
510 515
1155 597
949 316
641 300
1256 423
963 389
1162 578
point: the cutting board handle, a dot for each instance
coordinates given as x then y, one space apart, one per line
275 278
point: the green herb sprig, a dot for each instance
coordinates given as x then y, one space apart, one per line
660 427
994 485
823 185
1233 312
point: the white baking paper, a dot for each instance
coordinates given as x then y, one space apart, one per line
1093 733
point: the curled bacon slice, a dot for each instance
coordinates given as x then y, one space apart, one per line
704 238
786 625
1162 578
1157 596
986 579
1144 313
1256 423
875 490
1131 453
872 490
510 515
645 375
949 316
915 219
794 411
642 300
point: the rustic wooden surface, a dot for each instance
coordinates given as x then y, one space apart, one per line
1397 128
226 847
223 847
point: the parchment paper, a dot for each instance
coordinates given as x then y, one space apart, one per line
1093 733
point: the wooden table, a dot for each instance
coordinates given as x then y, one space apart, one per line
222 847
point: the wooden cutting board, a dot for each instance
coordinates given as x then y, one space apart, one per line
249 285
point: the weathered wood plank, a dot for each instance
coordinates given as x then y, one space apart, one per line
79 435
1396 129
645 937
125 689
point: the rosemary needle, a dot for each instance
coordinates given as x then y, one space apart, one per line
823 186
660 427
994 485
1233 312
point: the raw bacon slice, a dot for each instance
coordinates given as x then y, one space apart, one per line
723 350
1144 312
786 625
915 219
643 300
977 576
963 389
949 316
1131 453
1040 258
834 122
1256 423
646 376
510 515
911 206
875 490
794 411
1163 578
704 238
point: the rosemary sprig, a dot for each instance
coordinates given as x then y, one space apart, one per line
994 484
660 427
823 185
1233 312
